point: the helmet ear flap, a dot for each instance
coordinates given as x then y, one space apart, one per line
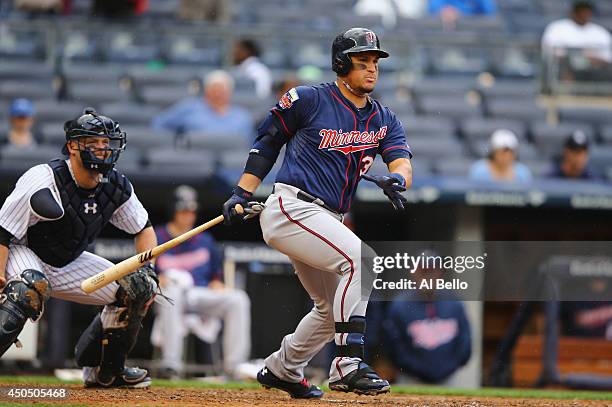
342 64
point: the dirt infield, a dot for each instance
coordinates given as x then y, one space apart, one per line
164 396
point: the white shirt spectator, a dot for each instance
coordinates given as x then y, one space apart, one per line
566 33
255 70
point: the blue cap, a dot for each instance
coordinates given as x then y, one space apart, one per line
21 108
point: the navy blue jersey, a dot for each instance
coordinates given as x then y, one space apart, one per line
330 142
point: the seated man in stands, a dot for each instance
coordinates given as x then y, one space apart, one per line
21 122
590 42
574 162
214 114
451 10
501 165
191 275
427 339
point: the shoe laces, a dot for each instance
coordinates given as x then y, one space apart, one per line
305 383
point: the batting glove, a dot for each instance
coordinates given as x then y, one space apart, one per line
241 197
391 184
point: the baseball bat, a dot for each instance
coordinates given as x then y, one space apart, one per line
125 267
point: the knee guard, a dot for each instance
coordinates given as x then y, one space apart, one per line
21 299
354 329
110 337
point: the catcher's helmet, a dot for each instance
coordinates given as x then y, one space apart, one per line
352 41
91 124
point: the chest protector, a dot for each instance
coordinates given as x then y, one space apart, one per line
86 212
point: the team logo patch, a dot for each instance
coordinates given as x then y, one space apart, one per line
370 37
286 101
351 141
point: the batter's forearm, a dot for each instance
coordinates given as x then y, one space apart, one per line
145 240
403 167
249 182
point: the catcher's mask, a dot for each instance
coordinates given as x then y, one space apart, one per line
91 124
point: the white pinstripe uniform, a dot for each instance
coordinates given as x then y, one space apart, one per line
16 216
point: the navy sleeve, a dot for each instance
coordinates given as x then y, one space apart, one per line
291 113
394 145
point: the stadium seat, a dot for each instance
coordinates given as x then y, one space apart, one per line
52 133
193 50
144 75
163 96
427 125
127 47
600 158
456 107
180 163
436 148
20 158
481 129
127 113
81 46
98 93
456 166
441 86
25 71
510 88
590 115
421 166
606 134
457 60
141 138
218 143
93 73
539 168
523 109
33 90
25 45
130 161
58 111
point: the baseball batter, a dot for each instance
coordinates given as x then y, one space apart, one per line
333 133
55 211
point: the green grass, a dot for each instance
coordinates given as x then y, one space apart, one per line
414 390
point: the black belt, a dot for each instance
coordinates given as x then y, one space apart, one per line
306 197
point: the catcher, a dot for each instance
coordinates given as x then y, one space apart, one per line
55 211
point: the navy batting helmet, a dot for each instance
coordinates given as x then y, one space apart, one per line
91 124
352 41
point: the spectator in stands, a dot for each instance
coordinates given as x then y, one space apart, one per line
39 6
592 41
21 121
118 8
501 165
214 114
205 10
425 338
574 161
191 275
451 10
389 10
248 65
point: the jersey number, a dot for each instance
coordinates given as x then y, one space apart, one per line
366 163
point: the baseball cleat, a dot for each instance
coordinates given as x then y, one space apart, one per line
130 377
362 380
301 390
